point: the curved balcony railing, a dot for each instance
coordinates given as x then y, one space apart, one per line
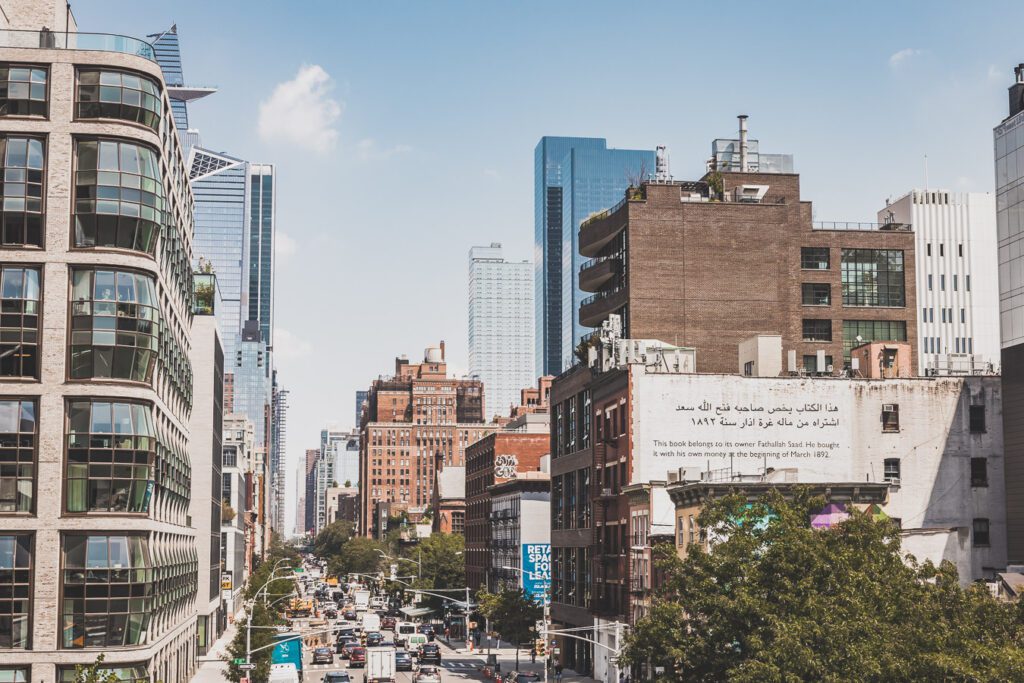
58 40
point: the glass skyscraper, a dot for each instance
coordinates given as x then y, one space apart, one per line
168 56
262 195
573 178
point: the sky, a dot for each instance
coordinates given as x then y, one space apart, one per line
403 133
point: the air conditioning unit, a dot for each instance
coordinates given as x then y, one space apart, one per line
830 369
888 407
892 481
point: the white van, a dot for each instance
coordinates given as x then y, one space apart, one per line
403 630
283 673
413 642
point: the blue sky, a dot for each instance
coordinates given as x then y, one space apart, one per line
418 123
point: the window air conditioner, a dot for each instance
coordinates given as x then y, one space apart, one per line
888 407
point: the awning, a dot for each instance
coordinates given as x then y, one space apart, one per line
416 611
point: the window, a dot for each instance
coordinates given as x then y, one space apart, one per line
118 95
929 248
963 315
126 673
942 249
17 455
981 536
942 282
871 330
15 590
748 368
892 470
115 574
817 330
873 277
814 258
110 457
22 90
14 674
929 282
977 419
24 161
954 281
19 322
979 472
114 326
816 294
890 418
119 196
960 250
811 364
967 283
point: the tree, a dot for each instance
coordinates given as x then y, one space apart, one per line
512 613
95 672
778 600
331 538
358 556
261 635
442 566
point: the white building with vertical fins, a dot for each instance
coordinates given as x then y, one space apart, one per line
500 326
957 277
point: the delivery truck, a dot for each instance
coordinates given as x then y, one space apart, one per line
361 599
380 665
288 650
371 622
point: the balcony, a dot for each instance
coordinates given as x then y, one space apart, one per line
595 309
597 231
598 271
58 40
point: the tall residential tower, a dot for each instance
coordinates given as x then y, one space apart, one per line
500 326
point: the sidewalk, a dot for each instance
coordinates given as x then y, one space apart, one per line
211 665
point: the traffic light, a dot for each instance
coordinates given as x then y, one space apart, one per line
540 647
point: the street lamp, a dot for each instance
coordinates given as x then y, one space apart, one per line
545 619
252 605
418 563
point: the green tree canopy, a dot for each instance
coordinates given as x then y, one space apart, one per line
512 613
331 538
95 672
776 600
443 563
358 555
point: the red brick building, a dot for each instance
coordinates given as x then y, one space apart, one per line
415 422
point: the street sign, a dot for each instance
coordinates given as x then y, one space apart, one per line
246 667
238 662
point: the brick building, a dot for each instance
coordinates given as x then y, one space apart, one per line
709 263
415 423
497 458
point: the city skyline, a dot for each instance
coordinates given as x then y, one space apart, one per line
945 72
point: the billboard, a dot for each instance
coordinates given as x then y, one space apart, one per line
721 422
536 564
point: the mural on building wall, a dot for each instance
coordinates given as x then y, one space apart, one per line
506 466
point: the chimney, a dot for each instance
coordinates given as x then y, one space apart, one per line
1017 91
442 350
743 142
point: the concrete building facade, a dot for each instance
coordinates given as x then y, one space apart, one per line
957 278
98 226
520 520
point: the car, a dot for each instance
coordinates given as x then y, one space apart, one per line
349 615
323 655
357 657
521 677
330 613
346 632
430 652
388 623
428 674
345 646
403 661
337 677
426 629
374 640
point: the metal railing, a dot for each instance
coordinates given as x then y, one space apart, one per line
855 226
59 40
598 260
603 294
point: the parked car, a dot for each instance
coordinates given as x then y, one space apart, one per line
522 677
388 623
323 655
430 652
428 674
337 677
374 639
357 657
403 661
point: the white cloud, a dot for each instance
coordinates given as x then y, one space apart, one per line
367 149
897 59
284 245
301 111
288 346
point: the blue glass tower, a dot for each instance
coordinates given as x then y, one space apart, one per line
168 56
262 195
573 178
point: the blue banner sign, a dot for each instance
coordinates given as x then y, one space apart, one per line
537 571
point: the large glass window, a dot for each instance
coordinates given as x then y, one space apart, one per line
17 454
119 196
118 95
814 258
22 90
873 277
126 673
111 454
871 330
14 674
24 161
108 591
15 590
816 293
817 330
115 325
19 321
